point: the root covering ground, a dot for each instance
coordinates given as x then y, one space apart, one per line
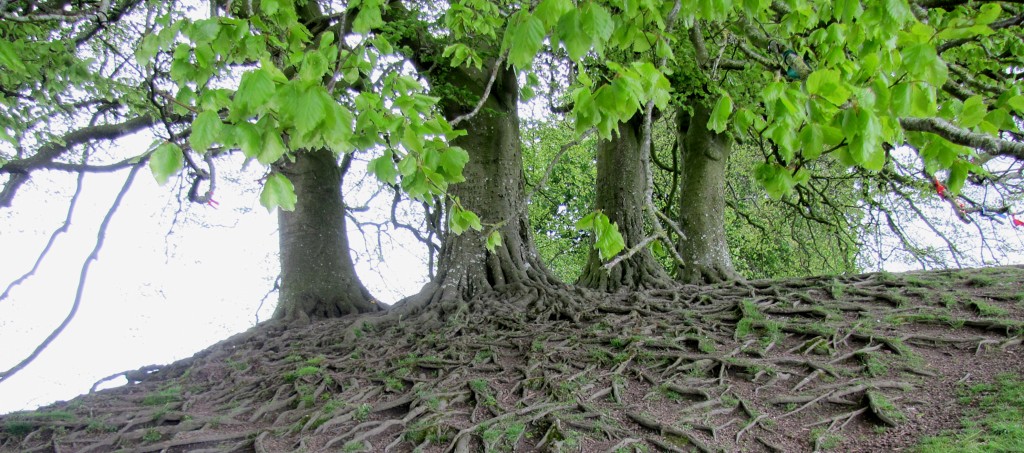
862 363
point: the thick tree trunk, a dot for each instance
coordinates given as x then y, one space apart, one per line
702 200
318 279
494 190
621 180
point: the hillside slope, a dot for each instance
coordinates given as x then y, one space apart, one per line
861 363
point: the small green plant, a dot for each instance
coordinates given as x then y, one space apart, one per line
362 412
152 435
393 384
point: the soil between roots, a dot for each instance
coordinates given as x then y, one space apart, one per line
860 363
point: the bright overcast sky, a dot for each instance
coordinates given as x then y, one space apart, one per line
150 299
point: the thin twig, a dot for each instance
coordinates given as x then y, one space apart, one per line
487 92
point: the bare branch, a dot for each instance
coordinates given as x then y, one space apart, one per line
487 92
21 169
100 236
49 244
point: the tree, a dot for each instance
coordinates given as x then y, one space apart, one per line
281 83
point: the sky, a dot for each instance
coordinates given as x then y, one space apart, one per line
152 297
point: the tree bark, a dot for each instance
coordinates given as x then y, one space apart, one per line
494 190
621 180
702 200
318 279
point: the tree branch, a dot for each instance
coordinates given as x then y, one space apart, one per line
100 236
961 136
21 169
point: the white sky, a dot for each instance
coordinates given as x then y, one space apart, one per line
141 306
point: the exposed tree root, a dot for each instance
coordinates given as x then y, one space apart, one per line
757 366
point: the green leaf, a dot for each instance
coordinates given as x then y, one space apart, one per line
607 239
526 41
827 84
278 191
587 222
255 89
720 115
206 129
570 32
597 23
248 139
774 178
1016 103
313 110
550 11
462 220
973 112
923 63
383 167
988 13
314 65
166 161
901 100
493 240
368 18
812 140
451 162
273 147
957 175
270 7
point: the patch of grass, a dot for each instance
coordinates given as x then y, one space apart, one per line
15 427
165 396
980 280
99 426
354 447
824 439
308 370
152 435
838 290
948 300
987 309
993 424
873 364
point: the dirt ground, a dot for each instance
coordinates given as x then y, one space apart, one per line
861 363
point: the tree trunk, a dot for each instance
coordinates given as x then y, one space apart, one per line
494 190
621 180
702 200
318 279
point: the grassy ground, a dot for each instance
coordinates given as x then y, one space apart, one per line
995 421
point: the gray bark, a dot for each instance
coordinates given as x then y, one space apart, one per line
702 200
318 279
494 190
620 185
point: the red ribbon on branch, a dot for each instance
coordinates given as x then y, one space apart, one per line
1016 222
939 188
